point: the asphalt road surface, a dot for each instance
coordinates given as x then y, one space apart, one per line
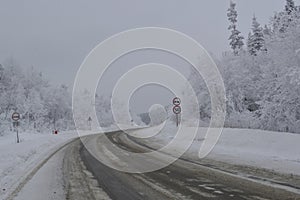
87 178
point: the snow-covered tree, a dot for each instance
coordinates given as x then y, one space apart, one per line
34 111
256 41
103 110
1 72
157 114
263 92
58 108
284 19
250 48
290 6
267 31
236 39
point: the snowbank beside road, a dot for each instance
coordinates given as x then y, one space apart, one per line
18 159
262 149
271 150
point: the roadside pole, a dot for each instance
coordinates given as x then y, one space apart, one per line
90 123
16 117
18 139
177 109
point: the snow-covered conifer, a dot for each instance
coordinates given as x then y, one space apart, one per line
256 40
236 39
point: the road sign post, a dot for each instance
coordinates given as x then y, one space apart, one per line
177 109
16 117
90 123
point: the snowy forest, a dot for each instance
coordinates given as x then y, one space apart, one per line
261 73
41 105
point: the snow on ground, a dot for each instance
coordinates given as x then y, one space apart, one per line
47 180
17 160
262 149
276 151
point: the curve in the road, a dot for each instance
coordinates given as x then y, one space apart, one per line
181 180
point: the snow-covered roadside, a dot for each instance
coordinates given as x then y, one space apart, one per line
262 149
47 181
17 160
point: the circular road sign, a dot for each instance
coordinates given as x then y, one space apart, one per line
176 101
177 109
15 116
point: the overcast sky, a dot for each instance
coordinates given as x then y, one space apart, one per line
55 36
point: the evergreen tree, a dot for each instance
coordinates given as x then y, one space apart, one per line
250 48
267 31
275 22
1 71
256 40
290 6
236 39
283 20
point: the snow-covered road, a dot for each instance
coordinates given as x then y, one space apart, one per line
268 157
183 179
